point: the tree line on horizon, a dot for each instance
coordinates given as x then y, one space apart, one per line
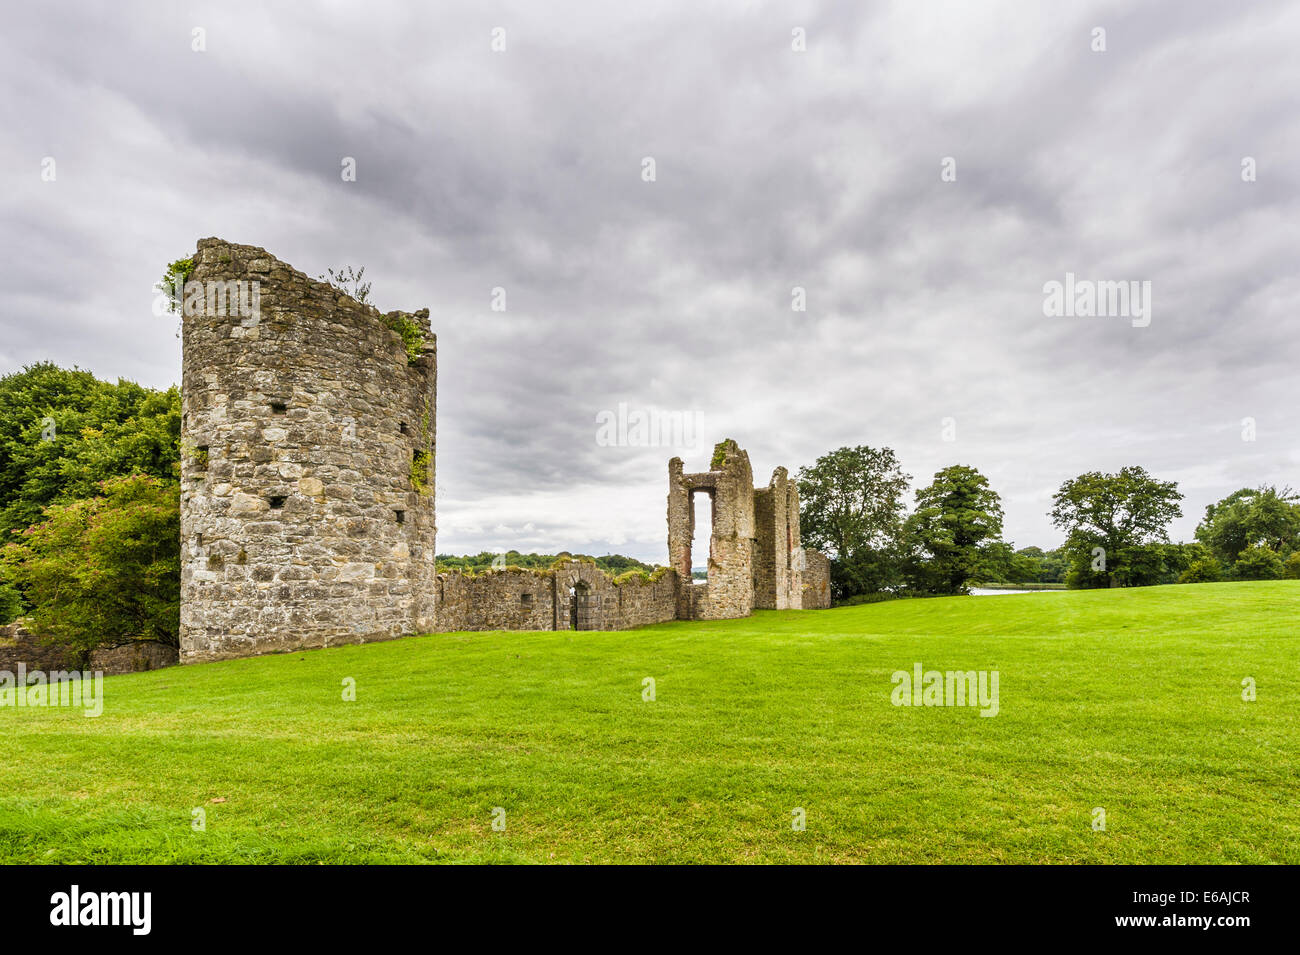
1116 526
613 564
90 521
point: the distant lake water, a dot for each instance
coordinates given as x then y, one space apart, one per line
989 592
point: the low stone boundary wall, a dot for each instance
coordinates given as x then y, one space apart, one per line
20 645
575 595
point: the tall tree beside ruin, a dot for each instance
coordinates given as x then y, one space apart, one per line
957 516
850 508
1117 526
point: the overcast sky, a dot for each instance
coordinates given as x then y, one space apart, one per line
774 169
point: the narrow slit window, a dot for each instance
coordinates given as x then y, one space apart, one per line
401 516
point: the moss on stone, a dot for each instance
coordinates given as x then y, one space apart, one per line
412 335
420 471
721 451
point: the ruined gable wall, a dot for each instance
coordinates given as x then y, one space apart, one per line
730 590
764 549
290 536
681 530
792 549
816 581
772 544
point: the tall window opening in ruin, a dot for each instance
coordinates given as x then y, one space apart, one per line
702 539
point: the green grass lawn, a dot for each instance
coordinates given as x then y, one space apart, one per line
1128 700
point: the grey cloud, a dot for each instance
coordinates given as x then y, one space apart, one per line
775 169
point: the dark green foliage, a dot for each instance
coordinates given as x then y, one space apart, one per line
11 603
1029 565
850 508
1258 562
1248 521
104 571
1116 526
958 518
1189 564
1201 572
64 431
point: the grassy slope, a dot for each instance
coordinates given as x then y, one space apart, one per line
1129 700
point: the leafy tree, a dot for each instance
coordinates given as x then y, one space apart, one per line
1002 563
1031 565
1190 564
1291 569
1115 524
11 603
1028 565
1264 517
172 284
1258 562
956 517
850 508
104 572
1201 571
1052 564
64 431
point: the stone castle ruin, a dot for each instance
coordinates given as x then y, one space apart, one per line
307 489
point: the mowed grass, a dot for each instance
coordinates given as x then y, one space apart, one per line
1128 700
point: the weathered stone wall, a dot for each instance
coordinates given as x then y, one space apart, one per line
730 483
509 599
642 602
816 580
681 531
756 554
765 550
790 589
574 595
777 551
302 520
19 645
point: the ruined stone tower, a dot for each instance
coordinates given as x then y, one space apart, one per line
729 482
307 494
756 556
